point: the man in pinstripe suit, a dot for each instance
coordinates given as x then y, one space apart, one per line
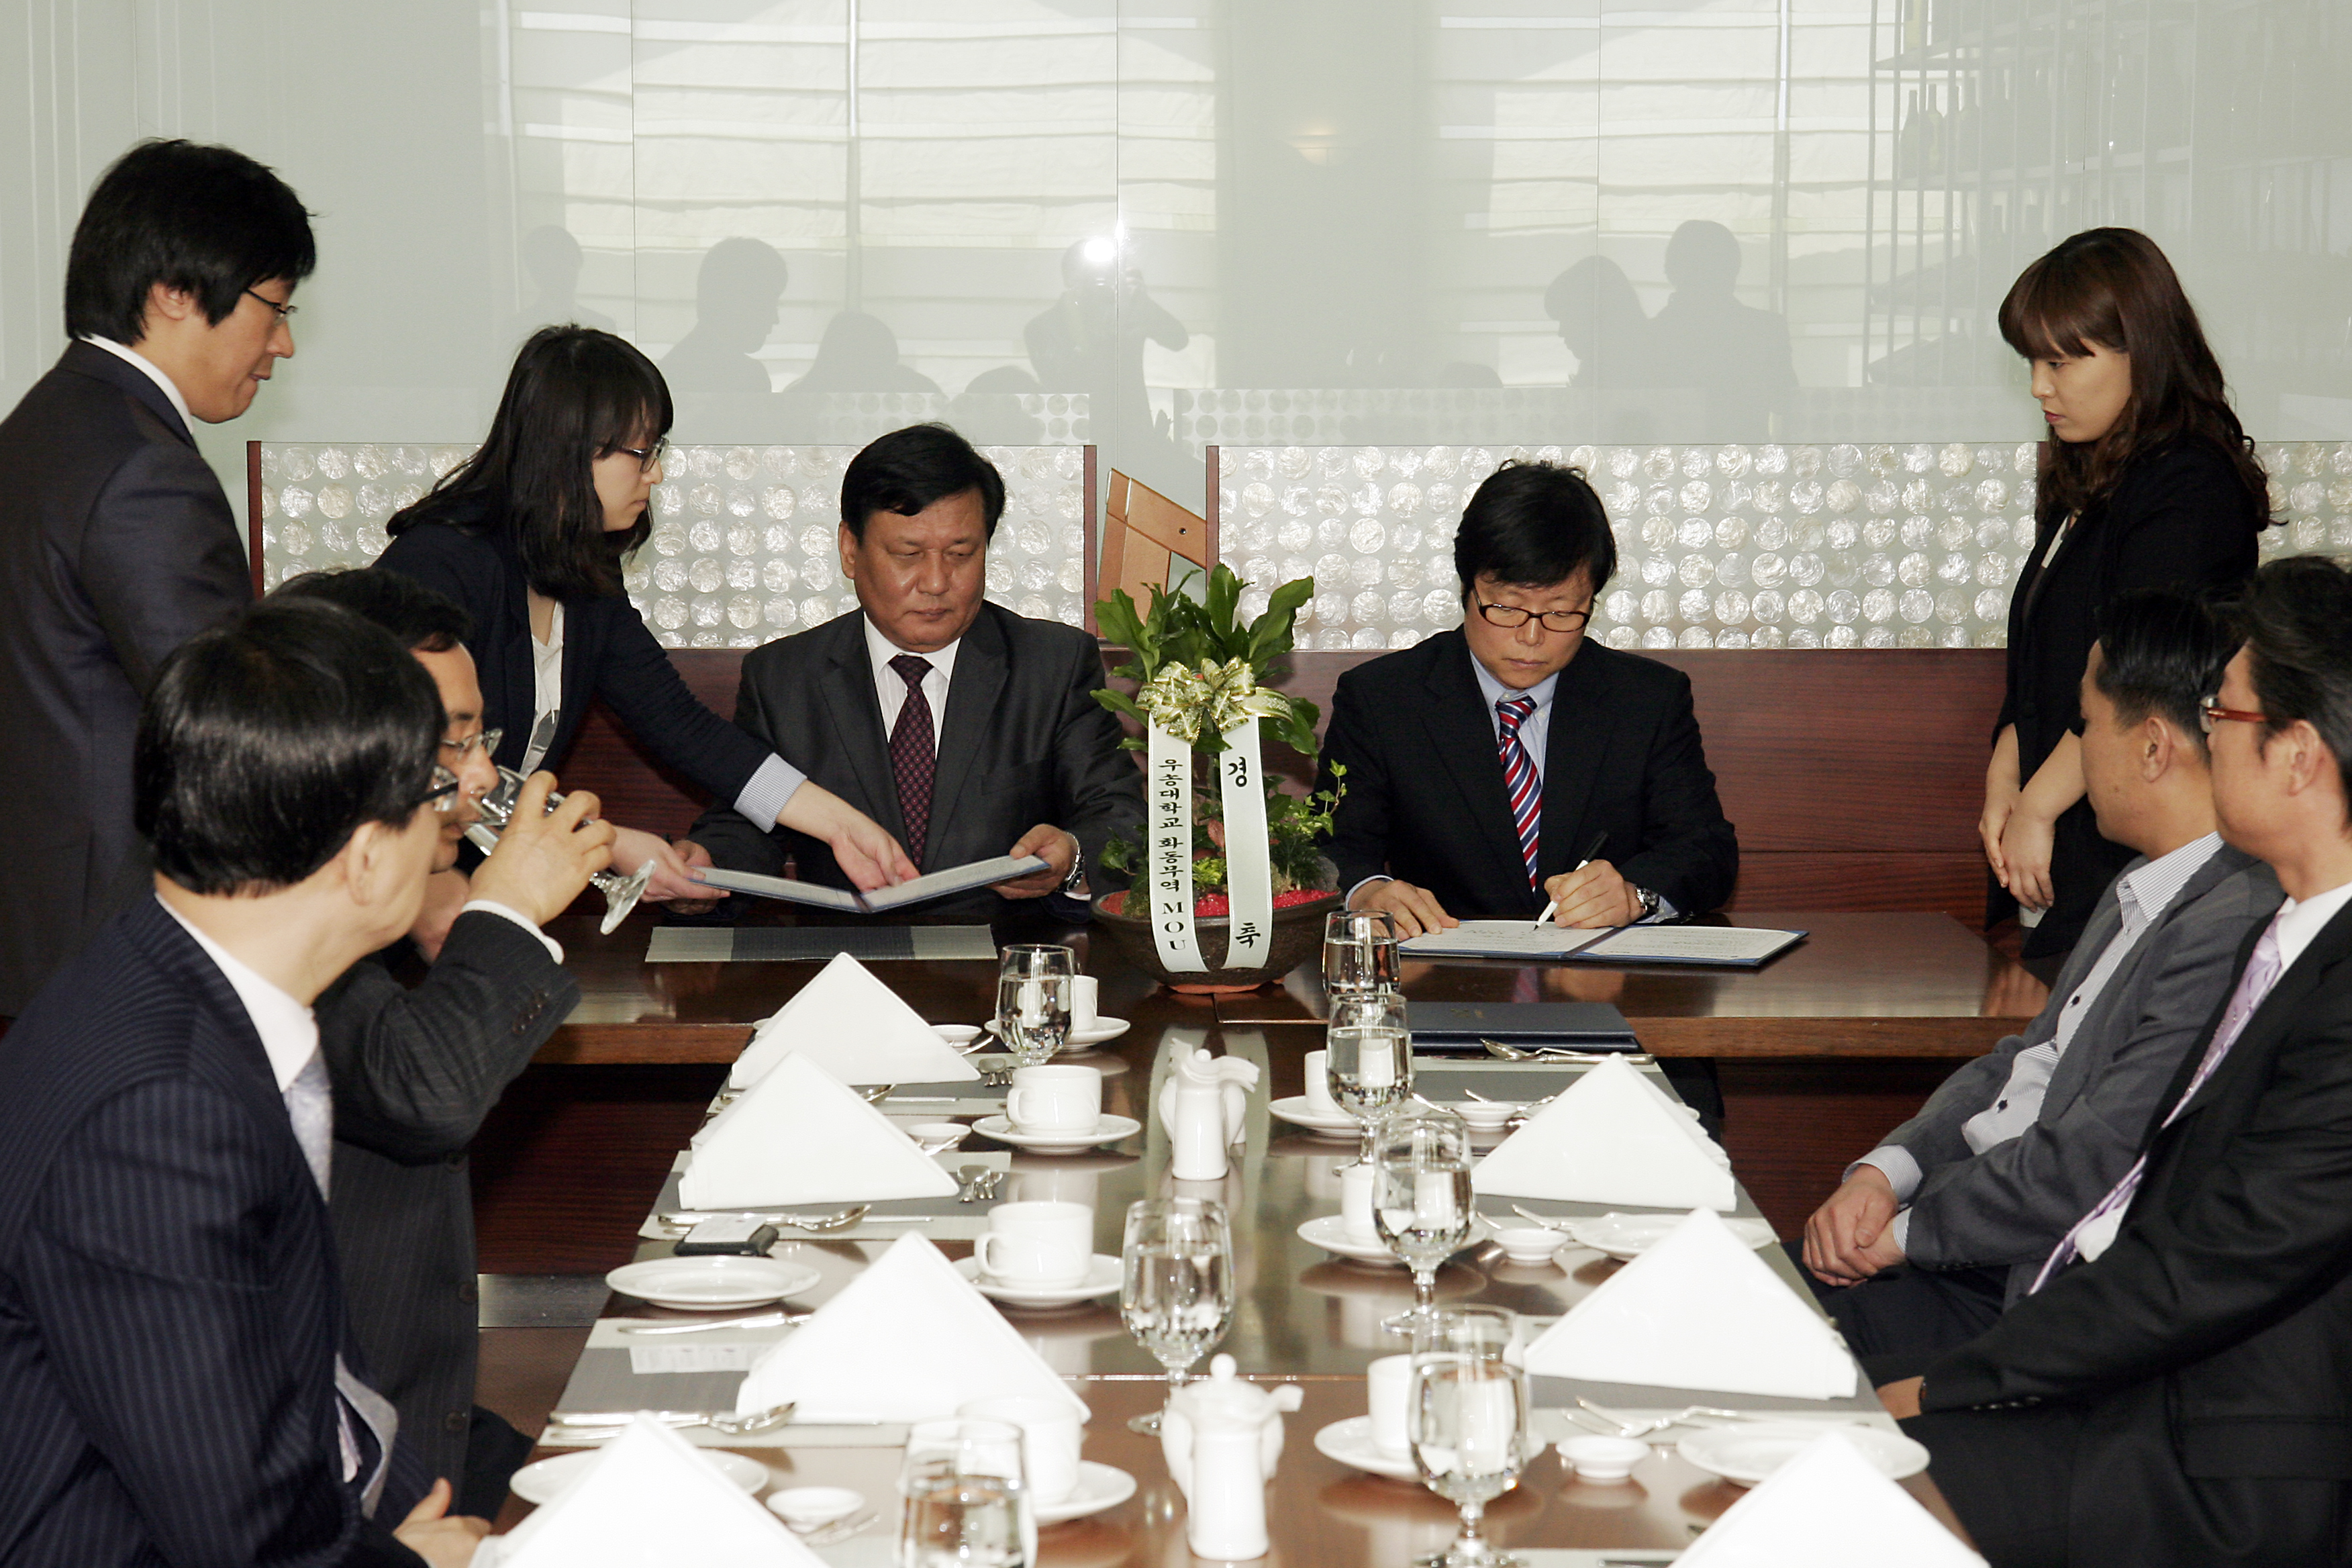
177 1380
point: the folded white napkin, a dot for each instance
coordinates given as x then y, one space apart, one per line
802 1136
1612 1137
909 1339
1828 1508
1699 1310
858 1028
650 1501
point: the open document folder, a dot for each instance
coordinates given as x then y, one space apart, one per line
1735 946
936 885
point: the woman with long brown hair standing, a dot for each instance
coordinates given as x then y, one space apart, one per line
2150 482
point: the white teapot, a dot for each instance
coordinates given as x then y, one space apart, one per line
1222 1439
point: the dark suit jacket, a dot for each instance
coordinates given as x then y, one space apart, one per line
415 1072
116 546
607 653
2178 519
2214 1339
1424 797
1022 741
169 1310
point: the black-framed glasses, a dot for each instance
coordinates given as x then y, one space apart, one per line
285 313
2210 712
646 456
483 740
1511 618
443 796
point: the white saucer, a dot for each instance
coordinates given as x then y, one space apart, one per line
1294 1109
712 1284
1350 1443
1102 1028
964 1038
545 1482
1627 1235
1330 1234
1109 1129
1099 1486
1102 1278
1746 1453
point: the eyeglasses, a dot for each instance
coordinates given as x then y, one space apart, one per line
2211 710
646 456
484 741
285 313
443 796
1511 618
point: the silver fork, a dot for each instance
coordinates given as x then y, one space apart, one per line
1630 1426
756 1320
581 1423
840 1531
1502 1052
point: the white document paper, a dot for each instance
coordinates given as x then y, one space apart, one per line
935 885
855 1027
1828 1508
1500 938
1688 944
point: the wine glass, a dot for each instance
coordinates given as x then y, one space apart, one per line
1467 1422
496 808
1176 1284
965 1497
1368 1058
1360 953
1421 1205
1032 1002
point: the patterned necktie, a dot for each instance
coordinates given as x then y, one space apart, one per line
1520 781
2262 971
914 755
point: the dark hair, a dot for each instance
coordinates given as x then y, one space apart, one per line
575 395
421 619
265 743
908 470
2162 653
206 219
2296 614
1534 524
2114 288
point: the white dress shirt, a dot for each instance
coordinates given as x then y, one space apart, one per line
891 686
289 1033
151 370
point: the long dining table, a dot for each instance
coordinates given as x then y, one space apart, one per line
1303 1316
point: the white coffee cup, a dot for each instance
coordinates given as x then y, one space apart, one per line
1085 991
1045 1246
1063 1098
1051 1433
1318 1085
1384 1389
1356 1203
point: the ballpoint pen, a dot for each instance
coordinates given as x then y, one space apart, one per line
1589 852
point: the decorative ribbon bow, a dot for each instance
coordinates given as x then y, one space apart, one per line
1184 701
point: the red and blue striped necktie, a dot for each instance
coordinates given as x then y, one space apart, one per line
1520 781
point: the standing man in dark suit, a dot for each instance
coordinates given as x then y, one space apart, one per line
966 731
116 543
177 1384
2176 1389
416 1069
1481 764
2018 1143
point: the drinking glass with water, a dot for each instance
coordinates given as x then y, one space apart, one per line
965 1497
1176 1284
1034 989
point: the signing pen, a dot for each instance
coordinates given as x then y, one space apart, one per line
1591 850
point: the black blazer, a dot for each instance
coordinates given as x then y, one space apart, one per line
1022 741
116 546
170 1310
416 1071
607 653
2178 519
1424 797
2214 1339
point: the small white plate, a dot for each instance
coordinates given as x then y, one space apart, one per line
1330 1234
1109 1129
712 1284
1627 1235
1746 1453
1294 1109
965 1037
1102 1278
545 1482
1350 1443
1099 1486
1485 1115
806 1508
1101 1029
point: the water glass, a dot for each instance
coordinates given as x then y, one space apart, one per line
1368 1058
1176 1284
1467 1422
1421 1204
965 1499
1034 992
1360 953
495 809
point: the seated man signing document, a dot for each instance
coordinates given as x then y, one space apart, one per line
967 731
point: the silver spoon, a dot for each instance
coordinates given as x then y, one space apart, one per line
578 1423
828 1534
819 1224
1502 1052
756 1320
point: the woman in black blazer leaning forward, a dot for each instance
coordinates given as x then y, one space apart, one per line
528 535
2149 482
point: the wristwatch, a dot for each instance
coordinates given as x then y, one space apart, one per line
1649 901
1076 879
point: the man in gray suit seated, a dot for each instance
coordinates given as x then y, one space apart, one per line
1943 1225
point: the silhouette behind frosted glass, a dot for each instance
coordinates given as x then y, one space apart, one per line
736 292
551 260
1737 355
860 353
